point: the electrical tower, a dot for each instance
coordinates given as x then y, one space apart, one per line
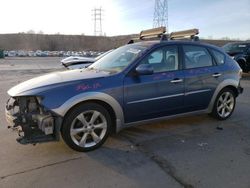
97 14
161 14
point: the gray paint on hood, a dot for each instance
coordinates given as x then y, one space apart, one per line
54 78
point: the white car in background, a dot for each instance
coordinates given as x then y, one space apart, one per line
31 53
77 62
12 53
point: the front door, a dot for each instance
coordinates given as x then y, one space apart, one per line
159 94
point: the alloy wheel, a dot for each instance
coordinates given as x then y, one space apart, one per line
88 128
225 104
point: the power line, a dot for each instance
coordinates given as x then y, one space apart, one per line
97 14
160 13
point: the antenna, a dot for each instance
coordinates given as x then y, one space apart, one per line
97 14
161 14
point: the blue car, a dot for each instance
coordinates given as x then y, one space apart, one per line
137 83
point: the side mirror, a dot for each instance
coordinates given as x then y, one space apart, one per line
144 69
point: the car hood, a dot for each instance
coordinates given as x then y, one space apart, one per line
55 78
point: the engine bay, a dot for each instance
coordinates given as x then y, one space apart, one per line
31 120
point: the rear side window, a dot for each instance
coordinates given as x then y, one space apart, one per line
196 56
219 57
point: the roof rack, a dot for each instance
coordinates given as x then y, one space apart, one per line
150 33
191 33
160 32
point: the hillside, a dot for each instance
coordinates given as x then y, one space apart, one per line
68 42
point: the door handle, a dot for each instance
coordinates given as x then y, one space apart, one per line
216 75
176 80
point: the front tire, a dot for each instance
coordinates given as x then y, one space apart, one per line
224 104
86 127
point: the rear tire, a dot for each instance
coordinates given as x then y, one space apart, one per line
86 127
224 104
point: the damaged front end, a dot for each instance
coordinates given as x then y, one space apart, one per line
31 120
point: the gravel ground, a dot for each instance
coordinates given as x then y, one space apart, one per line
195 151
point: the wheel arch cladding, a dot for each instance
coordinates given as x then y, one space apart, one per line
231 83
108 101
100 102
233 88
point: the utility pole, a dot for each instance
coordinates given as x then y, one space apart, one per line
161 14
97 14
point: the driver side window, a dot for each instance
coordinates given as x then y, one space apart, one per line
156 57
163 59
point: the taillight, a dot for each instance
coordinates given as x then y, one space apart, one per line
240 73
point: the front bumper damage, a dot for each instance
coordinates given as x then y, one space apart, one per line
31 120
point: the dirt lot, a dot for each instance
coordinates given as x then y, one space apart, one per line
195 151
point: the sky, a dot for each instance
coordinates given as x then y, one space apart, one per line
214 18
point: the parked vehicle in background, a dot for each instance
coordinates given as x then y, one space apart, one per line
61 53
2 54
12 53
31 54
6 53
45 54
136 83
240 52
73 62
21 53
77 62
38 53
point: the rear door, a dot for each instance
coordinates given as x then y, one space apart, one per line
202 77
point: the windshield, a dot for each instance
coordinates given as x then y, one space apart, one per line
119 59
235 47
102 55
